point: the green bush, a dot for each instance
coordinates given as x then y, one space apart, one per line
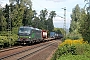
73 36
74 57
12 39
80 51
3 40
14 30
8 41
3 33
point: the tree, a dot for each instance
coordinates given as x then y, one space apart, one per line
75 23
50 25
36 22
24 2
3 22
22 12
87 8
6 14
75 16
52 14
58 30
17 16
43 17
85 26
27 17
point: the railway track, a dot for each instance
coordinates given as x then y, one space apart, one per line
15 47
11 48
27 52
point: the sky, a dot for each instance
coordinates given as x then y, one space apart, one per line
55 5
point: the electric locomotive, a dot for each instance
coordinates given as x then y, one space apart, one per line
29 35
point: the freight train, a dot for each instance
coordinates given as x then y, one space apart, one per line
55 35
28 35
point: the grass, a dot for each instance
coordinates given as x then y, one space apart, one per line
74 57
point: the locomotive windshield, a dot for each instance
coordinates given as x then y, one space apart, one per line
24 31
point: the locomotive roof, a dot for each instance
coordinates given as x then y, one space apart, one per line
30 27
26 27
37 29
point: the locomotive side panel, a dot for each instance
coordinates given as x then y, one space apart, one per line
37 35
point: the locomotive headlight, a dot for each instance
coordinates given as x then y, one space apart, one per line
29 37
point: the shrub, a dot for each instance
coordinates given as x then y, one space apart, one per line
74 57
70 42
74 36
72 47
8 41
3 40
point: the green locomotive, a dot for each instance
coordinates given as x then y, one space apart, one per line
29 35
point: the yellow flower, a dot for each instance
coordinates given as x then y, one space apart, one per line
70 42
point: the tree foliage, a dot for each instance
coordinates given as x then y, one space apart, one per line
75 23
59 30
52 14
20 14
75 16
85 26
3 23
80 24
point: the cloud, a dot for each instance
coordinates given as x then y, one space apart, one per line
59 22
4 2
56 0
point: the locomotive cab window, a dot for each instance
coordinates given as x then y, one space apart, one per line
24 30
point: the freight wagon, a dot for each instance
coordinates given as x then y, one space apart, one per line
53 35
